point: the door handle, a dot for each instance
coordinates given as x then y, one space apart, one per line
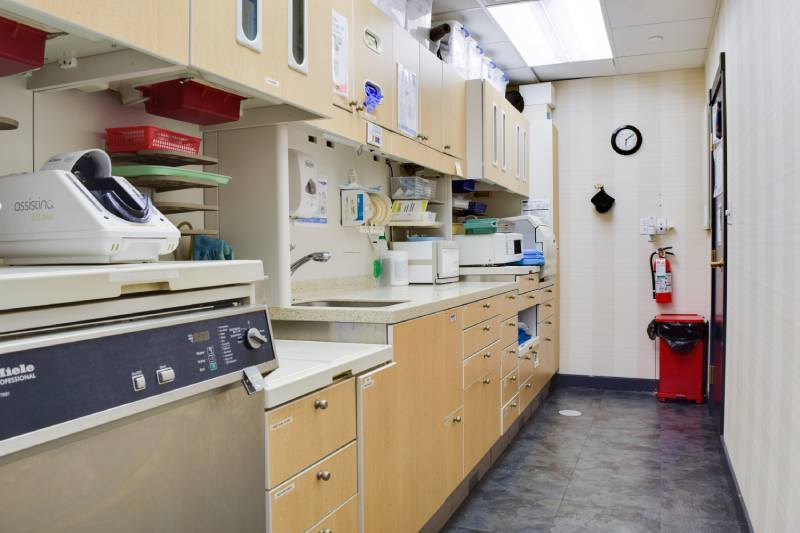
714 263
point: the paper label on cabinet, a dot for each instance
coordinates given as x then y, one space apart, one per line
285 422
535 360
340 47
284 491
368 382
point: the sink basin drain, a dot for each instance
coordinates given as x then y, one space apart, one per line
569 412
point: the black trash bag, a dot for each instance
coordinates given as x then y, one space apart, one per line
680 336
602 201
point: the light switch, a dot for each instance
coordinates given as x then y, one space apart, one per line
139 383
165 375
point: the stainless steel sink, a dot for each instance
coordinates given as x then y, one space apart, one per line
349 303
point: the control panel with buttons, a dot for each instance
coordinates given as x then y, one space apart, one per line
165 375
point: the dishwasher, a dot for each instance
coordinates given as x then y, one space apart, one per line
131 398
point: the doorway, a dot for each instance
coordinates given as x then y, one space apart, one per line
718 162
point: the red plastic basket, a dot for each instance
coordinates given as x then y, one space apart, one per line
190 101
21 47
135 138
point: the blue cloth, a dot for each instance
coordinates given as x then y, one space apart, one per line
372 96
205 248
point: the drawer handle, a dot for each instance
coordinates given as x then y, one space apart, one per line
548 290
487 381
529 385
487 306
548 339
513 404
321 404
549 323
512 324
457 419
487 355
526 357
532 296
512 297
324 475
487 328
447 146
512 350
513 378
325 530
531 278
548 305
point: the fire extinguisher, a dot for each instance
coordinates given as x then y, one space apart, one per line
661 275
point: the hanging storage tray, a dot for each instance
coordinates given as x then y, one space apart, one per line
163 178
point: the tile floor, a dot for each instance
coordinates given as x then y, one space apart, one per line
628 464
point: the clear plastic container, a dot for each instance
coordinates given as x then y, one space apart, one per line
412 188
453 47
474 59
418 19
488 65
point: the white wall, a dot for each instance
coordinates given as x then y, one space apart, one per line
762 402
606 299
352 253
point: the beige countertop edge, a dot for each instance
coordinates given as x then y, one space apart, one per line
390 314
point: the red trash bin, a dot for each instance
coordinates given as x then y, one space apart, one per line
680 372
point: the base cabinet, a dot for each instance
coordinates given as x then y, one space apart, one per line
481 417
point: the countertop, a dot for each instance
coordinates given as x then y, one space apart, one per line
306 366
416 301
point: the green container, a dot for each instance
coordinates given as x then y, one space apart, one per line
135 171
480 226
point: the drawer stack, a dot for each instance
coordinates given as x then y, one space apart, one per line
482 351
311 462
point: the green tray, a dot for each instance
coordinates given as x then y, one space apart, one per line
163 178
480 226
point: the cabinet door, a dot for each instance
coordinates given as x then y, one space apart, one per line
374 60
403 411
342 57
433 100
481 418
455 105
407 83
492 135
220 47
158 27
304 52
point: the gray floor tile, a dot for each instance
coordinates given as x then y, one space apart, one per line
628 464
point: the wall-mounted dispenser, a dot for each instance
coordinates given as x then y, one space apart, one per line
305 192
248 24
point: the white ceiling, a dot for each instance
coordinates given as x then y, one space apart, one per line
684 25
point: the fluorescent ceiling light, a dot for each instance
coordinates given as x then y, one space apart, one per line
547 32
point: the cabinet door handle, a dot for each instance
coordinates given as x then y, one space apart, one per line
447 146
487 355
529 385
457 419
513 404
531 278
548 339
323 475
321 404
325 530
512 350
486 381
487 328
526 357
487 306
512 378
512 324
549 323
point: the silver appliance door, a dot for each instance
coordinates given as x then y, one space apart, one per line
196 465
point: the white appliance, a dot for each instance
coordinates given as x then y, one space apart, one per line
394 268
122 387
489 249
74 211
536 235
431 261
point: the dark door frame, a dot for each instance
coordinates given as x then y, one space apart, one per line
718 93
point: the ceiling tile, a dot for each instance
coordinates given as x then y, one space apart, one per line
480 24
579 69
622 13
677 36
659 62
520 75
505 55
443 6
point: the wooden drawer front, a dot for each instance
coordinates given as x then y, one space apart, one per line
547 309
527 392
508 330
529 282
510 386
508 306
302 501
302 432
343 520
481 335
549 292
509 359
480 364
510 412
482 310
547 331
481 418
527 365
529 299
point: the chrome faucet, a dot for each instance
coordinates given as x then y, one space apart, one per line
320 257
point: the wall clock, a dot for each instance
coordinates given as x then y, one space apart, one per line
626 140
